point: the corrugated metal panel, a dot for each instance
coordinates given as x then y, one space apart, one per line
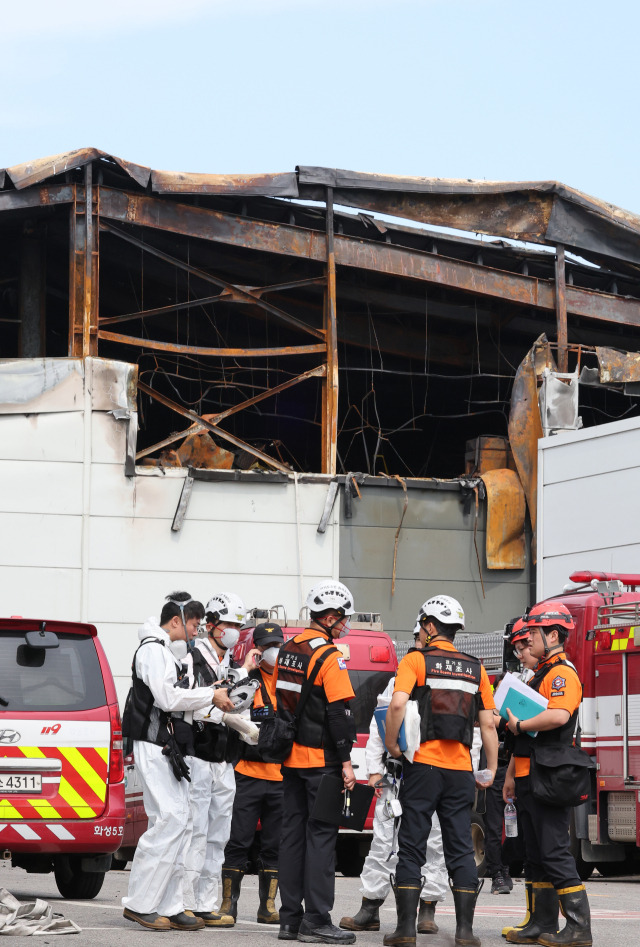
260 185
34 172
435 554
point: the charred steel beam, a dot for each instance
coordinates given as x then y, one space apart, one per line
236 441
330 385
364 254
216 418
208 277
201 350
83 270
160 310
561 310
37 197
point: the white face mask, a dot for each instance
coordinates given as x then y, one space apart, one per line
270 656
345 631
178 649
229 637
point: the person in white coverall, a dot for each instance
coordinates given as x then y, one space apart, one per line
156 703
380 863
213 784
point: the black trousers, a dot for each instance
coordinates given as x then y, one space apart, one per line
307 851
255 799
424 790
546 839
493 819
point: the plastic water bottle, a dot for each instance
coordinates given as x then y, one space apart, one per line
510 820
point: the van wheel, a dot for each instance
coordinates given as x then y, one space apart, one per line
477 838
72 882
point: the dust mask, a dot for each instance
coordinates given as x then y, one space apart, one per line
178 649
270 656
229 637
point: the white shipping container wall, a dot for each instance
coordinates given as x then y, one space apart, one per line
588 503
85 543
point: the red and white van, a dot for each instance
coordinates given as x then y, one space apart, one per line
61 768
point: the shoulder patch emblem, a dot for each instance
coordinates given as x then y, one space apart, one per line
558 682
342 664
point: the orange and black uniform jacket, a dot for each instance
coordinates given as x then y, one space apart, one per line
314 745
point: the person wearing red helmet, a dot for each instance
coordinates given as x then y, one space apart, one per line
555 880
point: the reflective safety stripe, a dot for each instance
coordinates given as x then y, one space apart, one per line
451 684
7 811
316 642
27 833
87 772
288 686
44 809
73 799
60 832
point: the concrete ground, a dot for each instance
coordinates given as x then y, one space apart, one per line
614 904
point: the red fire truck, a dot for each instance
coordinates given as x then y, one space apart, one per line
606 652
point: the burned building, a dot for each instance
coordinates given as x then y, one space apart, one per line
392 336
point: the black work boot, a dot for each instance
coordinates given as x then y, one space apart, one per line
527 916
544 915
577 931
426 922
268 889
407 898
231 882
464 900
367 918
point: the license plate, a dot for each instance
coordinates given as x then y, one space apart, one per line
23 782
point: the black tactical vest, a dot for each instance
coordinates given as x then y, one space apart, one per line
450 697
559 735
261 710
214 742
141 719
293 669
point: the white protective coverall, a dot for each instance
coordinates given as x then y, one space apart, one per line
157 872
378 866
212 791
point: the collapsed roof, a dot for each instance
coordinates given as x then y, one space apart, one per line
304 335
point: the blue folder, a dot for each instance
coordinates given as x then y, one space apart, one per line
380 713
521 706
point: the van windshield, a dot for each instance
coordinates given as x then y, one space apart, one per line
68 677
366 685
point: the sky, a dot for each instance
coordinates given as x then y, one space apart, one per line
486 89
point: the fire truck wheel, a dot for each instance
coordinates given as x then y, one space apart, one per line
477 838
72 882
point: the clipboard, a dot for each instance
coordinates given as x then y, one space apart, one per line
330 803
380 713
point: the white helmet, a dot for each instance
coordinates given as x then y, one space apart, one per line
416 628
330 594
447 610
227 606
241 694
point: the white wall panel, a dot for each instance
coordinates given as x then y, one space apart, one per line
52 592
219 546
44 487
50 437
588 503
108 439
35 539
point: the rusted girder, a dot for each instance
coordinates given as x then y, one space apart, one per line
236 441
561 310
208 277
371 255
45 196
202 350
330 385
318 372
83 270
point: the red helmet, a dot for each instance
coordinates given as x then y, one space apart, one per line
550 614
519 632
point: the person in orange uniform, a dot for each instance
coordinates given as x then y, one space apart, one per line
453 691
258 793
325 732
555 880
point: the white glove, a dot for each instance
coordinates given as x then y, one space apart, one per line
247 730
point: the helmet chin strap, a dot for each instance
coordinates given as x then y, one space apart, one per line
331 627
